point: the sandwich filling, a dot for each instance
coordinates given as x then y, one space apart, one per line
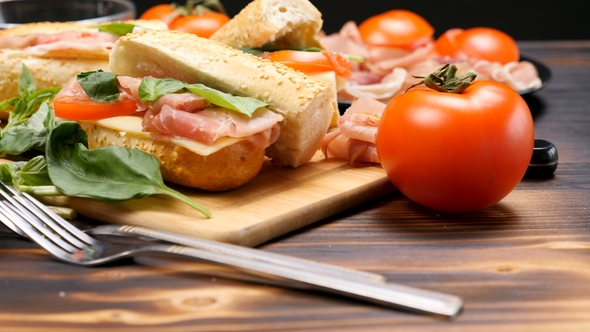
181 115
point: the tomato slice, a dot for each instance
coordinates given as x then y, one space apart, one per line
71 108
313 62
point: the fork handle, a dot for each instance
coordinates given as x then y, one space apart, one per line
392 295
251 253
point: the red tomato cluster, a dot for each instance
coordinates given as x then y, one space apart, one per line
187 19
408 30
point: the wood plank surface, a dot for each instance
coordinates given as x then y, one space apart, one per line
520 265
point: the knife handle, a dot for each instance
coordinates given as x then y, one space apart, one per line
391 295
251 254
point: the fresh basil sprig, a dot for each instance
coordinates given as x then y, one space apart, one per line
21 107
151 89
32 134
111 173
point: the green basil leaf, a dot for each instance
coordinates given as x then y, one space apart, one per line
26 83
150 89
111 173
9 171
31 135
244 105
26 173
120 29
100 86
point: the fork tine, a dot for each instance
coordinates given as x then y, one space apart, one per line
17 213
58 224
7 214
13 227
41 218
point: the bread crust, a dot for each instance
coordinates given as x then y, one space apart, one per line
226 169
307 105
281 22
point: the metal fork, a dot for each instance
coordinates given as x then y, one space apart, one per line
25 215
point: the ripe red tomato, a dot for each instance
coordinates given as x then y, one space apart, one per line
396 28
313 62
161 12
202 25
456 152
482 43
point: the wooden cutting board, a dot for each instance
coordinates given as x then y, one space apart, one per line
277 201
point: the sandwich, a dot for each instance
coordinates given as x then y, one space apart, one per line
291 111
54 52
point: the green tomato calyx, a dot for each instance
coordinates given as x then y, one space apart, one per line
444 79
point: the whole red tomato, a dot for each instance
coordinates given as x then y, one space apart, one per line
202 25
456 152
161 12
199 17
482 43
396 28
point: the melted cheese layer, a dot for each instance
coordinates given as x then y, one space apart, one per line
131 125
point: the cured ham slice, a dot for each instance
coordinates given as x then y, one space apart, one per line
209 124
354 140
66 43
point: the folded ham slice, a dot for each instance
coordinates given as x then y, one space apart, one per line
354 140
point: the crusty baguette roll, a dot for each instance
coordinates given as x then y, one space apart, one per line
279 22
307 105
55 68
228 165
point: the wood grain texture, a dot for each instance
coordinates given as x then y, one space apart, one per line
520 265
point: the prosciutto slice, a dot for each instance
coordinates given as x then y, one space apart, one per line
63 43
354 140
209 124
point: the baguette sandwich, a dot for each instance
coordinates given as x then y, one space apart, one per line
55 51
292 112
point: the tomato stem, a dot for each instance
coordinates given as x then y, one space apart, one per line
196 7
444 79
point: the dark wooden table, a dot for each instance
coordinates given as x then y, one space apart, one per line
523 264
